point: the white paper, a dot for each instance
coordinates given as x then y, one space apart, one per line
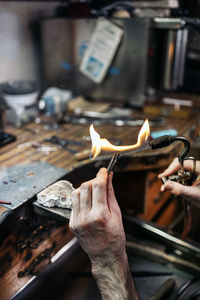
101 50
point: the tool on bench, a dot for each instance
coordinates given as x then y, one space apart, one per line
5 202
64 143
6 138
99 119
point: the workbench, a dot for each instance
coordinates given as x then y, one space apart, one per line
25 149
141 168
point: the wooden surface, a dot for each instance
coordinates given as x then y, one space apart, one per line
14 259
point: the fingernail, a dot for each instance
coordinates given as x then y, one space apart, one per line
160 175
111 176
162 188
168 186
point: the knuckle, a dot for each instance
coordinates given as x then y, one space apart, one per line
98 184
75 193
99 220
84 186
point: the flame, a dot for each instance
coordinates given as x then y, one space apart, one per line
99 144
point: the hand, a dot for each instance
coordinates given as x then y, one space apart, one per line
96 218
192 193
97 223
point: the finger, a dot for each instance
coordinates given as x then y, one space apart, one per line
110 185
86 197
112 202
71 220
175 166
75 203
172 168
99 190
190 192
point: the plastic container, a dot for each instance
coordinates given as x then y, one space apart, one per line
20 94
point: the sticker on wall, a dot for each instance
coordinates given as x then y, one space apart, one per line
101 50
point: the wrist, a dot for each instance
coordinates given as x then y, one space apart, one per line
108 261
113 274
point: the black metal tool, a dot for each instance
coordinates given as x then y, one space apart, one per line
168 140
184 176
112 162
6 138
64 143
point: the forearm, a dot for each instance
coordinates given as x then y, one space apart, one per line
114 279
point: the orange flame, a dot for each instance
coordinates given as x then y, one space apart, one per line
99 144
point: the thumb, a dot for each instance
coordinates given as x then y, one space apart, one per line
110 185
172 168
190 192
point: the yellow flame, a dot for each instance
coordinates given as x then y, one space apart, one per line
99 144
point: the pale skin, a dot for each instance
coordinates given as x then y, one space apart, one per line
97 223
192 193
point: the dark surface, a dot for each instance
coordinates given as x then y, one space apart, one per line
58 281
6 138
148 286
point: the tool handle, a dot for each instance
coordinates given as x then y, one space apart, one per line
166 288
162 142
